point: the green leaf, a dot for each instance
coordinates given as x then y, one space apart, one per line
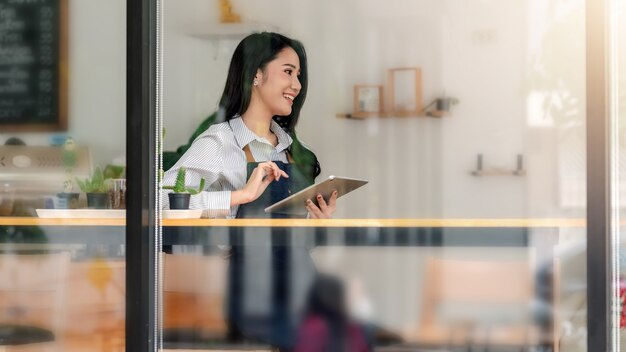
95 184
196 191
113 171
82 185
179 186
97 181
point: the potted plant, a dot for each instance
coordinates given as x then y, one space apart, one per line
68 199
181 195
112 171
96 190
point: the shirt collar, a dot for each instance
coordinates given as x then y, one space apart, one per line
244 136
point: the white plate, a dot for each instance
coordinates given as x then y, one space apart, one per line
182 214
81 213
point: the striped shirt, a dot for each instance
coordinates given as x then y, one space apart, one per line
217 156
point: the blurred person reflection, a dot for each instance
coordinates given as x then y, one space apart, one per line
326 326
253 160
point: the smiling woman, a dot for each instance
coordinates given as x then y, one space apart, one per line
251 161
263 95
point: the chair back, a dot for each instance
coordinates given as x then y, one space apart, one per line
194 287
32 289
473 300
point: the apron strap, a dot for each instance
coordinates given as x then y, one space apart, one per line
250 158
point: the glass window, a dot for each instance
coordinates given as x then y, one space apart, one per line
62 174
617 113
466 119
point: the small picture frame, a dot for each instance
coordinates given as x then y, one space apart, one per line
368 100
405 91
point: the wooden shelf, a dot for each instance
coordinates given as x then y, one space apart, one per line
359 223
381 115
498 172
31 221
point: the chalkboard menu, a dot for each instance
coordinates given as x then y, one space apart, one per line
33 65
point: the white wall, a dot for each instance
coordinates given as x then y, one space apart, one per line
489 54
477 51
97 80
484 65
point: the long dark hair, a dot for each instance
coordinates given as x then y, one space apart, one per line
254 52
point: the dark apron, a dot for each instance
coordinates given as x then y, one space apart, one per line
271 272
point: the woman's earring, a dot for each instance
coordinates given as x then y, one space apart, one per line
256 83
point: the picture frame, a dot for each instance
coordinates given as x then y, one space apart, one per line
405 91
368 100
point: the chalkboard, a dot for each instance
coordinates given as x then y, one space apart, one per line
33 65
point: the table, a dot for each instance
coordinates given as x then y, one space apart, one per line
370 232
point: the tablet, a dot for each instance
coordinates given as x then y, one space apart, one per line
294 204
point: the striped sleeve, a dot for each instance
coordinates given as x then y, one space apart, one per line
202 160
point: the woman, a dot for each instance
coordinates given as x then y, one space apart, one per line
249 162
265 89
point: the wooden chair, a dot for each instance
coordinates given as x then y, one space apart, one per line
97 308
193 299
477 303
194 289
32 301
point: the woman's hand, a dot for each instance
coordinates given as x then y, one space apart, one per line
325 210
262 175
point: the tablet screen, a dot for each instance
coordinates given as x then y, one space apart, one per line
294 204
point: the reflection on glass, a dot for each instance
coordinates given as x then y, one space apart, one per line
618 112
62 114
397 267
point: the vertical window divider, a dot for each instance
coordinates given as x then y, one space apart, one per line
600 257
142 214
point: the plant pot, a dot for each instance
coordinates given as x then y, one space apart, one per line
97 200
67 200
179 200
